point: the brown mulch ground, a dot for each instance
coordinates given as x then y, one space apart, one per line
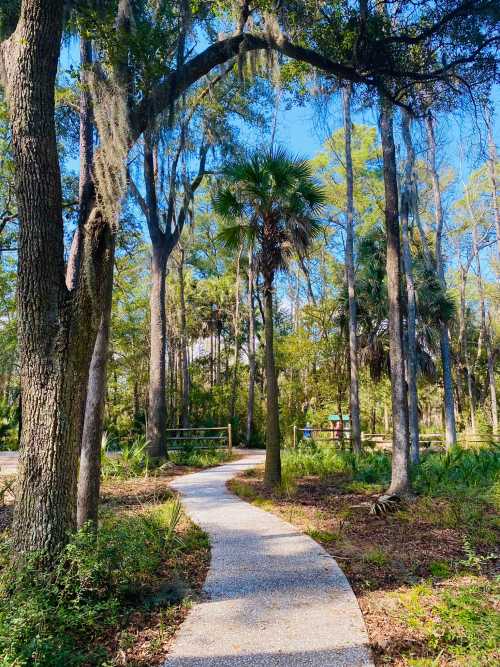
382 556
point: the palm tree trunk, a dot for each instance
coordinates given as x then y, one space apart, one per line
449 403
349 261
251 348
272 474
400 482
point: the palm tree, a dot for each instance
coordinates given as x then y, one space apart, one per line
275 200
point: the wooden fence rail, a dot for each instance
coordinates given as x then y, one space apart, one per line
385 439
226 436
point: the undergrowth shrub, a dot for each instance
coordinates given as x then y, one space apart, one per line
192 455
460 623
459 471
458 474
132 461
370 467
48 619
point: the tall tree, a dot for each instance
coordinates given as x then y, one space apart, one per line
275 198
409 203
400 481
446 360
251 346
349 260
57 326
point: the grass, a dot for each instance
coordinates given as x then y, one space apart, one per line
460 623
140 565
424 574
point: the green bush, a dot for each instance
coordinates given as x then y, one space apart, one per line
458 473
49 619
133 459
190 456
460 623
370 467
9 426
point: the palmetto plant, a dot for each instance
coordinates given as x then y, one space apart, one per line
271 200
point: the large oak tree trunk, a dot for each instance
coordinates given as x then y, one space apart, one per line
57 327
349 260
272 474
400 481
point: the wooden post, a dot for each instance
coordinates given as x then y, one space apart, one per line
295 436
230 438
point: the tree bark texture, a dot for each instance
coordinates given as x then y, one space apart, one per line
444 336
184 347
251 348
89 477
492 167
411 360
408 202
349 260
156 403
272 474
236 355
486 329
57 327
400 481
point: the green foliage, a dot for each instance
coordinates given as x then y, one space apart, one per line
275 199
325 461
190 456
131 460
49 619
9 426
460 623
458 471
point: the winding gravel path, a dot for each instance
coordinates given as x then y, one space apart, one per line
273 597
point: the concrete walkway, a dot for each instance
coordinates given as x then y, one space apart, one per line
273 597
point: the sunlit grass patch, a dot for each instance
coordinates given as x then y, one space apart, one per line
324 536
376 556
460 622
